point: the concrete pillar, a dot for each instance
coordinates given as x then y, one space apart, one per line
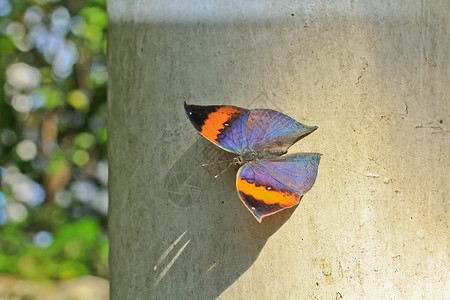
373 76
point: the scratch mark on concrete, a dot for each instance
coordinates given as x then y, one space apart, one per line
170 248
213 265
167 268
340 270
372 175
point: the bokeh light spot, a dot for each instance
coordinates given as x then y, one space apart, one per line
63 198
16 31
60 17
49 146
2 196
33 16
3 216
37 99
78 25
16 211
94 34
84 140
23 77
100 202
26 150
29 192
84 190
5 7
99 72
80 157
102 172
22 103
65 57
78 100
8 137
43 239
95 15
53 97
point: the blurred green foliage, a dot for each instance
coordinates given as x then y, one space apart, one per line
53 168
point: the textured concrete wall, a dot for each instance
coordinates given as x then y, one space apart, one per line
373 75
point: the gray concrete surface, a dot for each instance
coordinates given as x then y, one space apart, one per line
373 75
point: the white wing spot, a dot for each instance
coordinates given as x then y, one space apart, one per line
226 124
269 188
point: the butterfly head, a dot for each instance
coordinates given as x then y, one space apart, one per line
238 161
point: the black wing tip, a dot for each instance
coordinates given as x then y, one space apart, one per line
197 114
190 114
186 108
190 109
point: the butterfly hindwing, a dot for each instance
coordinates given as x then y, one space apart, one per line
270 185
224 125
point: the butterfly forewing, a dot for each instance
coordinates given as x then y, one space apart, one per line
271 130
224 125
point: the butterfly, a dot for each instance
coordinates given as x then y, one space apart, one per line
266 182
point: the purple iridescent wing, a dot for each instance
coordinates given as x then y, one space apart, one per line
265 186
271 130
223 125
270 185
240 130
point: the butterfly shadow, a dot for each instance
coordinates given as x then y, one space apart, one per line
212 235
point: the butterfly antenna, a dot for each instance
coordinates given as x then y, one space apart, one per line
215 163
223 171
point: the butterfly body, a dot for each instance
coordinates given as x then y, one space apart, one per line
254 156
267 182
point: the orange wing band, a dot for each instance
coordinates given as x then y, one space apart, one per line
214 123
286 199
